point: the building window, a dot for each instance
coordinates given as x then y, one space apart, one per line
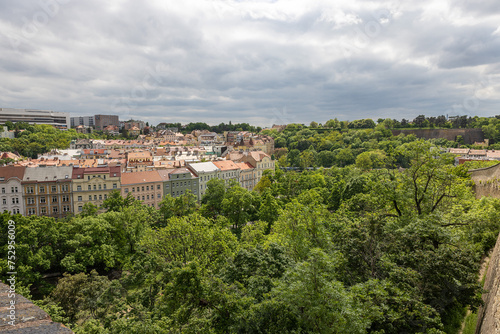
100 197
65 198
31 211
105 196
158 187
42 189
159 195
80 208
90 197
43 210
147 188
126 190
15 200
16 190
104 185
95 187
65 208
79 188
80 198
30 190
143 197
142 188
89 187
54 199
42 200
55 209
95 197
100 187
3 190
167 186
147 196
53 189
4 201
64 187
31 200
115 186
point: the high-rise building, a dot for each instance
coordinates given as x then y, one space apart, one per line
82 120
102 121
32 116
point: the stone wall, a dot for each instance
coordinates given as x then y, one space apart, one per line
469 135
29 318
488 316
486 181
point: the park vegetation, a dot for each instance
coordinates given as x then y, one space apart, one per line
388 244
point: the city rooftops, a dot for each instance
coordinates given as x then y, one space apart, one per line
204 167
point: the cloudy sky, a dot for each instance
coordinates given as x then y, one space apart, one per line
256 61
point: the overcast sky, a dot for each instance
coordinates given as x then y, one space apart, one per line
261 62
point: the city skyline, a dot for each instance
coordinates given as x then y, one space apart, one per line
259 62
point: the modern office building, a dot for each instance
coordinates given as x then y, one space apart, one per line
102 121
32 116
82 120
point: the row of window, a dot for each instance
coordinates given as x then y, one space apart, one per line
97 187
80 198
12 190
147 197
43 210
158 186
15 200
41 189
43 200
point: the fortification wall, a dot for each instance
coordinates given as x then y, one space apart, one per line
488 320
26 317
469 135
486 181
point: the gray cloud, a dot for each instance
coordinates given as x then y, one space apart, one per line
250 61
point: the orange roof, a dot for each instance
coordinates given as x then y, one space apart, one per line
8 172
139 155
225 165
141 177
244 165
477 152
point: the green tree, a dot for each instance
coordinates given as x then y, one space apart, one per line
239 207
212 200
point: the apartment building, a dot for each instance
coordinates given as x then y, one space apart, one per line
177 181
102 121
247 175
94 184
205 171
229 171
259 160
143 186
139 161
11 195
47 191
82 120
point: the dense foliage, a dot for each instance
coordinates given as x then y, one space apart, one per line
349 249
361 142
31 140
